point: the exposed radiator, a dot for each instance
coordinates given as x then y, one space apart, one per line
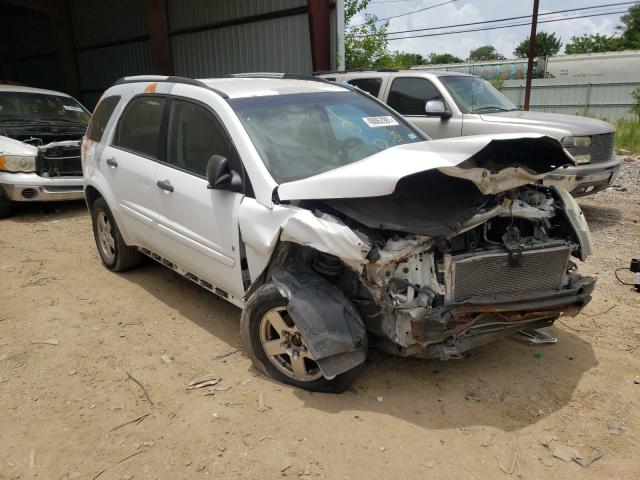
490 273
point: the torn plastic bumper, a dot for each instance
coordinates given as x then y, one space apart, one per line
331 327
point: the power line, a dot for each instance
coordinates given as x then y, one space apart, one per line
505 26
409 13
393 1
509 18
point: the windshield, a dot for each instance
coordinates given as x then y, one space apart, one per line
300 135
37 107
475 95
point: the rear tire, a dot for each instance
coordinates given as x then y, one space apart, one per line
116 255
6 205
266 302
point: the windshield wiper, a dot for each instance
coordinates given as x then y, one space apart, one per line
499 109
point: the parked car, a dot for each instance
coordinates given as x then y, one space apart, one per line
451 104
40 134
331 220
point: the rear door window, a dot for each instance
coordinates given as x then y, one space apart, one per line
409 95
101 117
140 125
369 85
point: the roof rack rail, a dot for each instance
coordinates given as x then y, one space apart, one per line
352 70
168 79
283 76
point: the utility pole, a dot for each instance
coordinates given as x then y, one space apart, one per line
532 52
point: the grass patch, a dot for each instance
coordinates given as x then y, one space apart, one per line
628 135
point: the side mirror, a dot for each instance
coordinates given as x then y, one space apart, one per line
221 177
436 108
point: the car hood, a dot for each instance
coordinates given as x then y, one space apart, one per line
10 146
494 163
571 124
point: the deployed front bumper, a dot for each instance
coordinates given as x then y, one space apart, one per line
585 179
31 187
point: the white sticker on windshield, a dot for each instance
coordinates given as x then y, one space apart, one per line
375 122
72 108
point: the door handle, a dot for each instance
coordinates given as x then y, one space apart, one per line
165 185
112 162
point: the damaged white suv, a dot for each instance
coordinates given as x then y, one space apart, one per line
331 221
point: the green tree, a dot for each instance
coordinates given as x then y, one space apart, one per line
365 45
484 53
630 28
547 45
439 58
590 43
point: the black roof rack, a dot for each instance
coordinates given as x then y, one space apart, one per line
277 75
169 79
354 70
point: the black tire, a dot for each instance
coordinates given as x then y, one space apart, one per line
6 205
124 257
262 301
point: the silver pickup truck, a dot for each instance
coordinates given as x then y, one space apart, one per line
451 104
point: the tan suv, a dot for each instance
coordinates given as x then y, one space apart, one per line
451 104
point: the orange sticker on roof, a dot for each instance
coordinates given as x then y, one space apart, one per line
151 88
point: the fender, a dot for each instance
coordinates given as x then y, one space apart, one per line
329 324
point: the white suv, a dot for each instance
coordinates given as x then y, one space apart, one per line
331 221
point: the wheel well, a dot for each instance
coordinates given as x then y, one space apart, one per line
91 194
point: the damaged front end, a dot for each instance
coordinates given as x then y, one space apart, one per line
438 261
59 159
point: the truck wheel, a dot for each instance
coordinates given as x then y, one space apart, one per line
115 254
276 348
6 205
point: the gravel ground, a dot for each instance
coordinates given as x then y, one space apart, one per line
71 333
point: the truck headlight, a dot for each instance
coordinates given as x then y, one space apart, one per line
571 143
576 142
17 163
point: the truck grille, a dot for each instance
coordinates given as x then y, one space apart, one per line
489 274
601 148
59 160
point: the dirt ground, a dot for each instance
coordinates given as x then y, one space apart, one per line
71 332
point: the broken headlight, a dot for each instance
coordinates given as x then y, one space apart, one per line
573 143
17 163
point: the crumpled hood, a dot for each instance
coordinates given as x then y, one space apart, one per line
556 122
494 163
9 146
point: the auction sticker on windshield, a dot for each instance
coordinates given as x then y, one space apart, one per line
375 122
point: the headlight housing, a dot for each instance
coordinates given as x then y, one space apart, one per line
577 147
18 163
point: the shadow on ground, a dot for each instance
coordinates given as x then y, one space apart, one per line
600 218
504 385
42 212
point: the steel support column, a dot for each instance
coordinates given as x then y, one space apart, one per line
319 33
156 14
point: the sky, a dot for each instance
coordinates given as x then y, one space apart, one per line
465 11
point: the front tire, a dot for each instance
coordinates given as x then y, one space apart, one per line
276 347
6 205
116 255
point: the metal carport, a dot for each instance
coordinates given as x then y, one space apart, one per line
83 46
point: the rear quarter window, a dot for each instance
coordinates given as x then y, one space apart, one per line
369 85
101 117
